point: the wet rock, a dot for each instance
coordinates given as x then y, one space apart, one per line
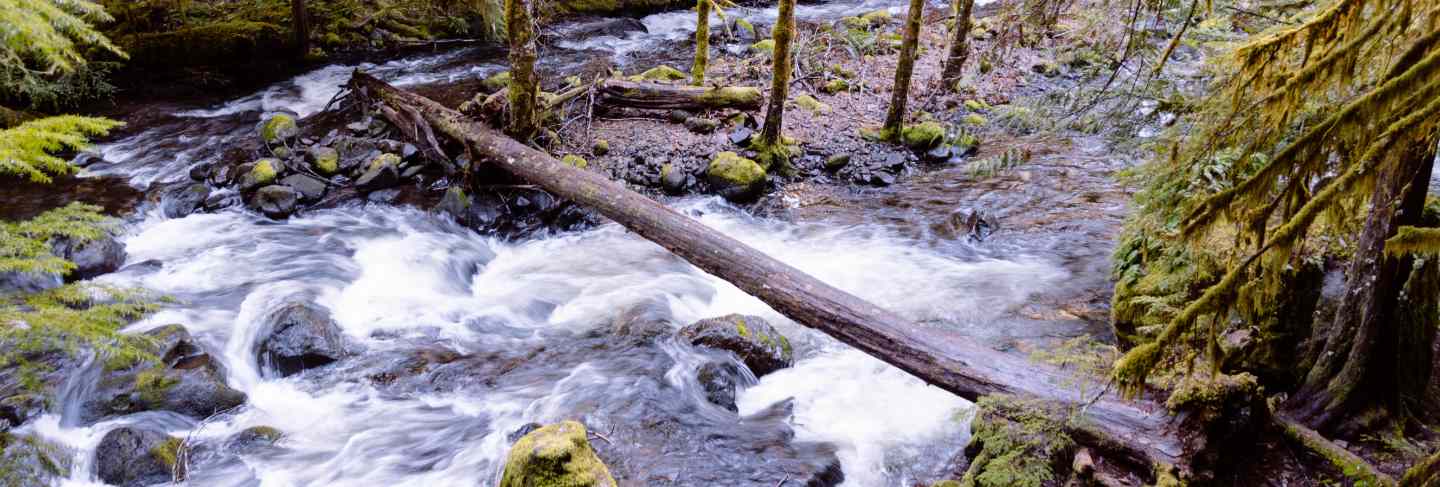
412 171
278 128
701 125
558 454
28 282
309 187
455 203
324 160
31 460
673 180
520 432
221 199
383 196
741 136
613 27
757 344
185 200
259 173
720 381
135 457
182 378
969 223
837 161
275 201
645 322
381 172
300 336
253 438
734 177
92 258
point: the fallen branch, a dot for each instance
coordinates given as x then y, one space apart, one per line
657 96
1139 433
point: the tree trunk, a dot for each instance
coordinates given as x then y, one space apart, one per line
1355 365
702 42
656 96
959 45
1138 433
780 78
300 24
900 94
524 85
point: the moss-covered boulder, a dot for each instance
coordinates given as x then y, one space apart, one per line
835 86
810 103
278 128
765 46
133 457
496 82
753 340
734 177
381 172
558 455
179 376
601 147
259 173
877 18
923 136
324 160
575 161
660 73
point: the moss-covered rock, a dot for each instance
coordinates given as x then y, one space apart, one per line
660 73
835 86
601 147
734 177
1017 443
975 119
575 161
496 82
30 460
975 105
383 159
1046 68
757 344
810 103
765 46
877 18
260 173
558 455
922 136
278 128
129 456
323 160
745 27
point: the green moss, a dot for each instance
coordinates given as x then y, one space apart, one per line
975 119
729 167
557 455
575 161
152 384
660 73
384 159
496 82
922 136
168 452
325 160
731 96
877 18
765 46
810 103
740 327
263 172
278 128
1020 443
975 105
745 26
835 86
601 147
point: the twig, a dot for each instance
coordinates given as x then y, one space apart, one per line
782 481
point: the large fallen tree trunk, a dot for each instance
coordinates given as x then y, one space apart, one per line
1140 433
657 96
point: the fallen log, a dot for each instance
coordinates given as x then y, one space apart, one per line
1139 432
658 96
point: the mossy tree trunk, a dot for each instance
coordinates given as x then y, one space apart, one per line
1355 359
780 80
900 94
702 42
959 44
524 85
300 24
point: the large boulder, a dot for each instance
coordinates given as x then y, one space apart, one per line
135 457
182 378
300 336
757 344
92 258
555 455
734 177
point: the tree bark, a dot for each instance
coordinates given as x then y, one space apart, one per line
780 75
900 94
1138 433
300 24
959 45
656 96
1354 358
524 85
702 42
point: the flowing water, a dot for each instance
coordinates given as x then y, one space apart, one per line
402 282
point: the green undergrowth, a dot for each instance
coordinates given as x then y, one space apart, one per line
25 245
1016 443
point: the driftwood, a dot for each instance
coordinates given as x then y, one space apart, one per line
657 96
1139 432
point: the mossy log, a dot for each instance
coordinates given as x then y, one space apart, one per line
657 96
1138 432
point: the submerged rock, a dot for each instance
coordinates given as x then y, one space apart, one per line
757 344
300 336
720 381
555 455
182 378
134 457
734 177
254 438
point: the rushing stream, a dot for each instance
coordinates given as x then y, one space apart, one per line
400 280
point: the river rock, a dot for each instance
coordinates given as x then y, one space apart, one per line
253 438
757 344
381 173
324 160
31 460
558 454
300 336
259 173
701 125
275 201
278 128
310 188
135 457
181 201
92 258
720 381
734 177
672 179
182 378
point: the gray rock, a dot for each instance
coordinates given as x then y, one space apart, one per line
741 136
411 171
28 282
275 201
91 258
300 336
253 439
720 381
134 457
678 116
837 161
219 200
383 196
377 178
310 188
455 203
182 378
672 179
185 200
757 344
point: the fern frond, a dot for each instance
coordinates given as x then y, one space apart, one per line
27 150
